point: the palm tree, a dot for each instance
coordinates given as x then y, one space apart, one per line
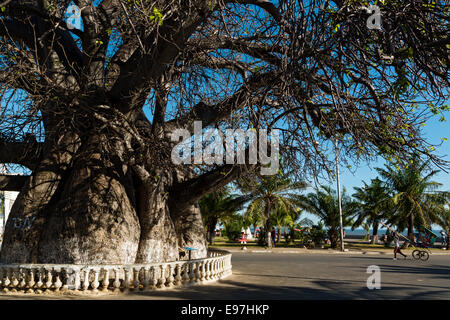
297 223
281 218
324 204
218 206
372 205
413 194
270 194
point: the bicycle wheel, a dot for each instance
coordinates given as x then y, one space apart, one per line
416 254
424 256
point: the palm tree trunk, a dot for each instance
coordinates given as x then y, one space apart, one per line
292 234
279 234
211 230
285 235
411 227
268 233
268 225
374 231
334 235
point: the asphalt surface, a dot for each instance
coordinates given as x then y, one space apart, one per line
294 276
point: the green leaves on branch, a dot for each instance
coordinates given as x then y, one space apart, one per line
406 53
402 83
157 17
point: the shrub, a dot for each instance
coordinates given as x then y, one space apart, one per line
232 230
316 234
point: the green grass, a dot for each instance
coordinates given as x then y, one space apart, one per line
225 242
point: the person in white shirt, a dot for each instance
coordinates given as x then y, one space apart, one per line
397 247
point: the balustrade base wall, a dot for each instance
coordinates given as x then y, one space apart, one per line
110 279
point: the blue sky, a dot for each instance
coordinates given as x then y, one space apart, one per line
434 131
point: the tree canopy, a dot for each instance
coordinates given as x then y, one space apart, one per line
310 68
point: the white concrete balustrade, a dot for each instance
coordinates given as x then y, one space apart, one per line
49 278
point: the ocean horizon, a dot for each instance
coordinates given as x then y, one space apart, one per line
362 232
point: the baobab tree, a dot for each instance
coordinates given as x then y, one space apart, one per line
89 107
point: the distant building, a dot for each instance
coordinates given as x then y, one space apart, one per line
9 198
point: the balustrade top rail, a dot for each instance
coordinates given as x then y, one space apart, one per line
46 278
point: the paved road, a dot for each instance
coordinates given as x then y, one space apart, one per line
317 276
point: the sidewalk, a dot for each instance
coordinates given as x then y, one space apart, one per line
374 251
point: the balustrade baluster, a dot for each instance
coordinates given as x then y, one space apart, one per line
211 269
14 281
146 278
170 277
22 274
39 283
154 281
208 270
136 282
58 283
95 284
49 282
197 272
76 279
203 273
6 281
116 283
126 282
221 268
162 277
105 282
65 285
178 274
216 269
186 273
87 272
192 273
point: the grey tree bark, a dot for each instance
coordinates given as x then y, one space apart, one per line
86 204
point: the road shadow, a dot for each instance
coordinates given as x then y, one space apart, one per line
230 289
414 267
318 289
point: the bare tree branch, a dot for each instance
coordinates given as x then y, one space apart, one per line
12 183
23 153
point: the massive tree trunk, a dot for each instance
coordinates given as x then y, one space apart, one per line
86 203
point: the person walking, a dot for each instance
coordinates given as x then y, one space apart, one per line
273 236
397 247
444 238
